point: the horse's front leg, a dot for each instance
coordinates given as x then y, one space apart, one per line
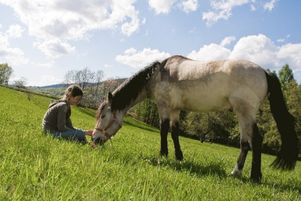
175 137
164 128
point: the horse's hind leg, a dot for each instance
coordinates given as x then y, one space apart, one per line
256 159
249 138
244 148
164 128
245 139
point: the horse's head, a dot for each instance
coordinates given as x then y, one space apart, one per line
108 122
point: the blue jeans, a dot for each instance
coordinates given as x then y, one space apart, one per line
77 135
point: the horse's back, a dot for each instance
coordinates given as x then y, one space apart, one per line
196 85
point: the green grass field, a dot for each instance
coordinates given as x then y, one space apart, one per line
37 167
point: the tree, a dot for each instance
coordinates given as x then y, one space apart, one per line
70 77
286 75
5 73
89 81
97 80
87 77
20 83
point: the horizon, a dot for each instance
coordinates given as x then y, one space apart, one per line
43 40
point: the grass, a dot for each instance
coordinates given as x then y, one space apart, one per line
37 167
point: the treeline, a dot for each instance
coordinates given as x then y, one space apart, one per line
223 128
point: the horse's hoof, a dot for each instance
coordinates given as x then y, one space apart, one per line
179 157
256 178
163 153
236 173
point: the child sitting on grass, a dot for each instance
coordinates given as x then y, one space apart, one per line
57 122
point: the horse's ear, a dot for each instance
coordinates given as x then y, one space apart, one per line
110 97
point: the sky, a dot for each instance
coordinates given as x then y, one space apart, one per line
44 39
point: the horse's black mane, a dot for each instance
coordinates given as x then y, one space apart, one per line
130 88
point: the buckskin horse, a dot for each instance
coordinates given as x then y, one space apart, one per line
179 83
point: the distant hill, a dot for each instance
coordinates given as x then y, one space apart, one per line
57 90
53 86
63 85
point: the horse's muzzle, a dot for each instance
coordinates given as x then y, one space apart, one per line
98 140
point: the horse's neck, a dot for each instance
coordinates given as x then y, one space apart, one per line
141 97
123 102
133 90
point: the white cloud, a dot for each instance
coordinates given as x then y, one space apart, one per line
190 5
222 9
256 48
161 6
14 31
210 52
54 48
135 59
164 6
269 5
8 54
65 20
281 40
128 28
291 53
227 41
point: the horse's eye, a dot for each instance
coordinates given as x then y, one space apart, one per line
103 116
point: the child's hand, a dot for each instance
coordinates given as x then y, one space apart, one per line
89 132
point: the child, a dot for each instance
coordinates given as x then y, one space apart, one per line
57 120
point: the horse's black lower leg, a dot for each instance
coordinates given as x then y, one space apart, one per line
256 160
163 132
175 137
244 148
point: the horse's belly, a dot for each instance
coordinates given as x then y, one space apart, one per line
205 102
199 98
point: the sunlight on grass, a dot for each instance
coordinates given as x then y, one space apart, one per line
37 167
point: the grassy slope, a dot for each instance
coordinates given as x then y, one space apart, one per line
36 167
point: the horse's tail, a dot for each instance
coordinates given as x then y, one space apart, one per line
288 153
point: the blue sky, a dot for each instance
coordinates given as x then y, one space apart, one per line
42 40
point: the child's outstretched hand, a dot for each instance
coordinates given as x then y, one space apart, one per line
89 132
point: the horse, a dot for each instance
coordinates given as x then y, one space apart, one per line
179 83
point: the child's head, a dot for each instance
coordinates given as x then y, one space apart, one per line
73 94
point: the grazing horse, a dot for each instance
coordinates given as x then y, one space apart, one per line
179 83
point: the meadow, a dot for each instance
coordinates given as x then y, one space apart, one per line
34 166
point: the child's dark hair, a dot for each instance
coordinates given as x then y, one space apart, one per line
73 90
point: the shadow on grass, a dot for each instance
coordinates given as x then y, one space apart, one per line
281 187
295 186
190 167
